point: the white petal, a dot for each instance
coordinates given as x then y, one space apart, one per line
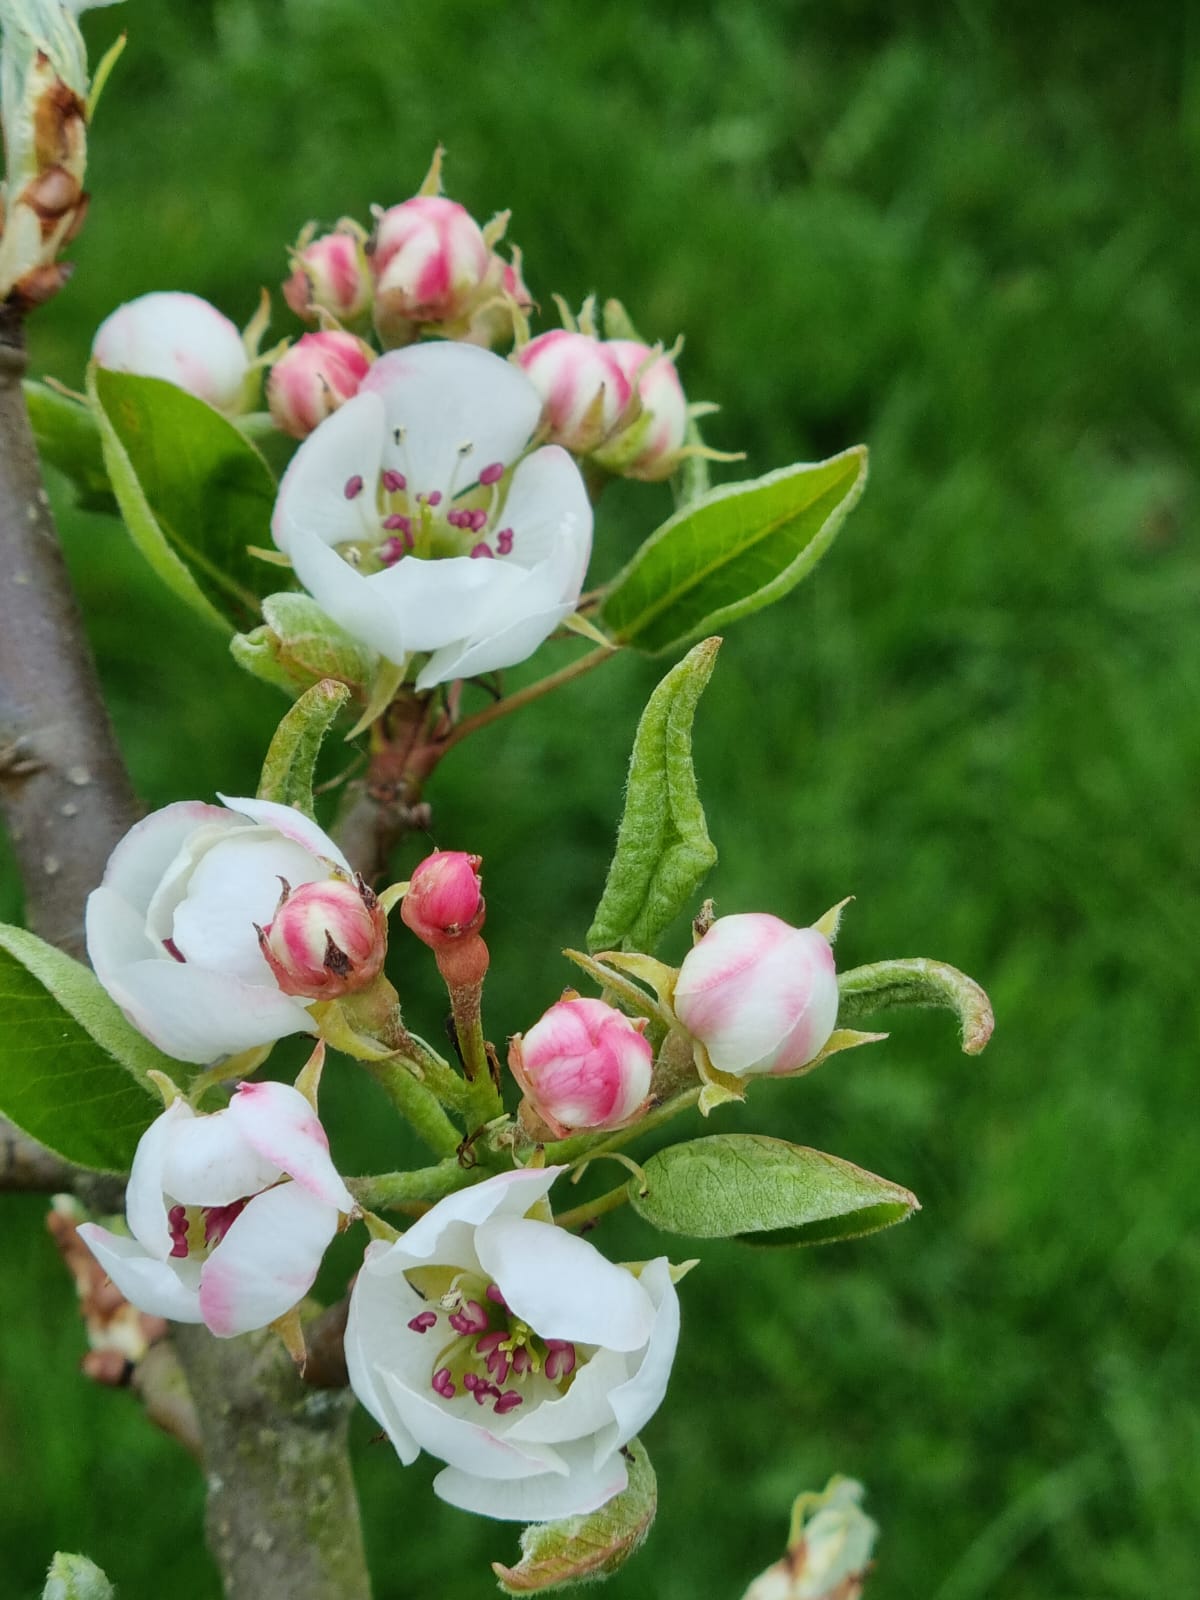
379 1307
179 337
145 1208
459 1439
116 935
545 1498
562 1286
312 495
516 643
197 1015
293 825
446 1233
434 602
549 511
346 595
209 1163
267 1261
633 1403
150 1285
582 1411
235 885
147 850
278 1122
447 395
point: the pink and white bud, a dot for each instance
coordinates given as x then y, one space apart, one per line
318 374
331 274
183 339
504 302
326 939
444 902
583 1065
430 260
760 995
583 387
648 448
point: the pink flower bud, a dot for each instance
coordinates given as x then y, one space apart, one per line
181 338
314 377
760 995
326 939
331 274
445 901
429 259
649 447
583 1065
583 388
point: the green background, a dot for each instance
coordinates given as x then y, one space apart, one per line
964 233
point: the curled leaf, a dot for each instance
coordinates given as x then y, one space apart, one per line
291 759
884 985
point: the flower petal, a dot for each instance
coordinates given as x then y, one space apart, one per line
278 1122
634 1402
153 1286
444 396
379 1306
209 1163
197 1015
466 658
549 511
446 1233
267 1261
545 1498
312 496
293 825
147 850
582 1411
460 1440
562 1286
145 1208
116 935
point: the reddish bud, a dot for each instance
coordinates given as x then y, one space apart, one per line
444 903
326 939
331 274
314 377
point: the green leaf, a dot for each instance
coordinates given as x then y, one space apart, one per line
193 491
885 985
663 848
276 447
764 1191
76 1578
731 552
73 1072
291 759
298 645
68 438
558 1555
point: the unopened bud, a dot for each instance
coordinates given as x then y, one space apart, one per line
649 446
181 338
314 377
583 1065
430 261
326 939
444 902
760 995
332 274
583 388
829 1551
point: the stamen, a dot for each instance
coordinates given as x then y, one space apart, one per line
489 1342
504 541
354 487
479 520
394 482
469 1318
423 1321
178 1224
481 550
483 1392
492 474
435 497
219 1219
508 1401
493 1294
173 949
390 552
521 1361
399 524
442 1383
560 1359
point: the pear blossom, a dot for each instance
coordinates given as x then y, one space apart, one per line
413 519
181 338
512 1350
583 1064
445 900
584 389
430 261
650 446
311 380
173 931
229 1214
330 273
760 995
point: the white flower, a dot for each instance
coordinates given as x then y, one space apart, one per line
172 932
512 1350
181 338
219 1234
404 522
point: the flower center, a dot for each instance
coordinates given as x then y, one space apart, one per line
195 1230
490 1348
458 522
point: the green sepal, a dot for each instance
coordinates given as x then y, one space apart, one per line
291 759
764 1191
73 1073
298 645
730 552
193 491
69 440
886 985
559 1555
663 849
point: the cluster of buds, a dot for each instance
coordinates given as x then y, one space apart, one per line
43 65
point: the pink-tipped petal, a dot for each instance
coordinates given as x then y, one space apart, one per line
267 1262
145 1208
209 1163
151 1285
278 1122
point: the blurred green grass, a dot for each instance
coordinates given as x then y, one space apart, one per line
964 233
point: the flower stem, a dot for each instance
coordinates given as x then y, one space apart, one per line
592 1210
416 1102
387 1190
482 1097
533 691
592 1144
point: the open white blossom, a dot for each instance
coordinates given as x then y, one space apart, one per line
512 1350
407 521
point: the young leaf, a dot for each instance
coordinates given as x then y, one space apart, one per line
731 552
558 1555
883 985
68 438
291 759
298 645
193 491
663 849
764 1191
73 1073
